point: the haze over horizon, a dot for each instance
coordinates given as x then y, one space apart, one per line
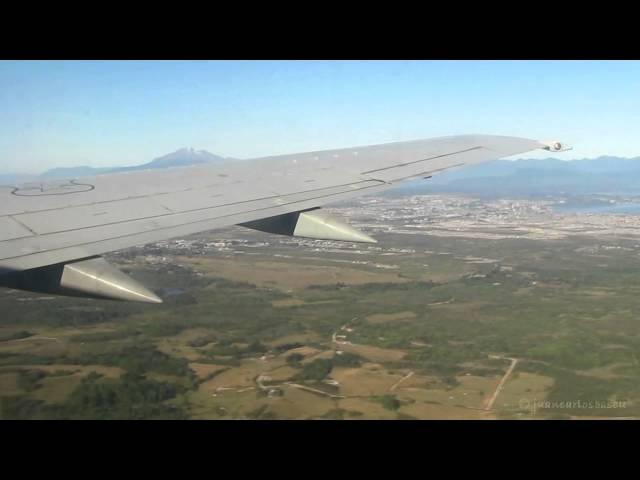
121 113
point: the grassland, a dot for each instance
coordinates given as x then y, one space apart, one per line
309 338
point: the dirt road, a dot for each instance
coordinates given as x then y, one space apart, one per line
395 385
514 362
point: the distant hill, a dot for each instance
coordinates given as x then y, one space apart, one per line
542 177
73 172
183 157
179 158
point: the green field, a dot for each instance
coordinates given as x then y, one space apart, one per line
291 337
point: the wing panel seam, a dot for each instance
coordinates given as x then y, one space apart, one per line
423 160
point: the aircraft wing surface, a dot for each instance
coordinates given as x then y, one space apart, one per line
68 220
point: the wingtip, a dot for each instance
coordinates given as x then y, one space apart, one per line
556 146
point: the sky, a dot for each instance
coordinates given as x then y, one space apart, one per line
114 113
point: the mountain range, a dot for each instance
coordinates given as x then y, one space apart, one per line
179 158
605 175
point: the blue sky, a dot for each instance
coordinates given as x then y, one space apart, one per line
104 113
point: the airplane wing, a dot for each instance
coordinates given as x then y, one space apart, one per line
51 235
